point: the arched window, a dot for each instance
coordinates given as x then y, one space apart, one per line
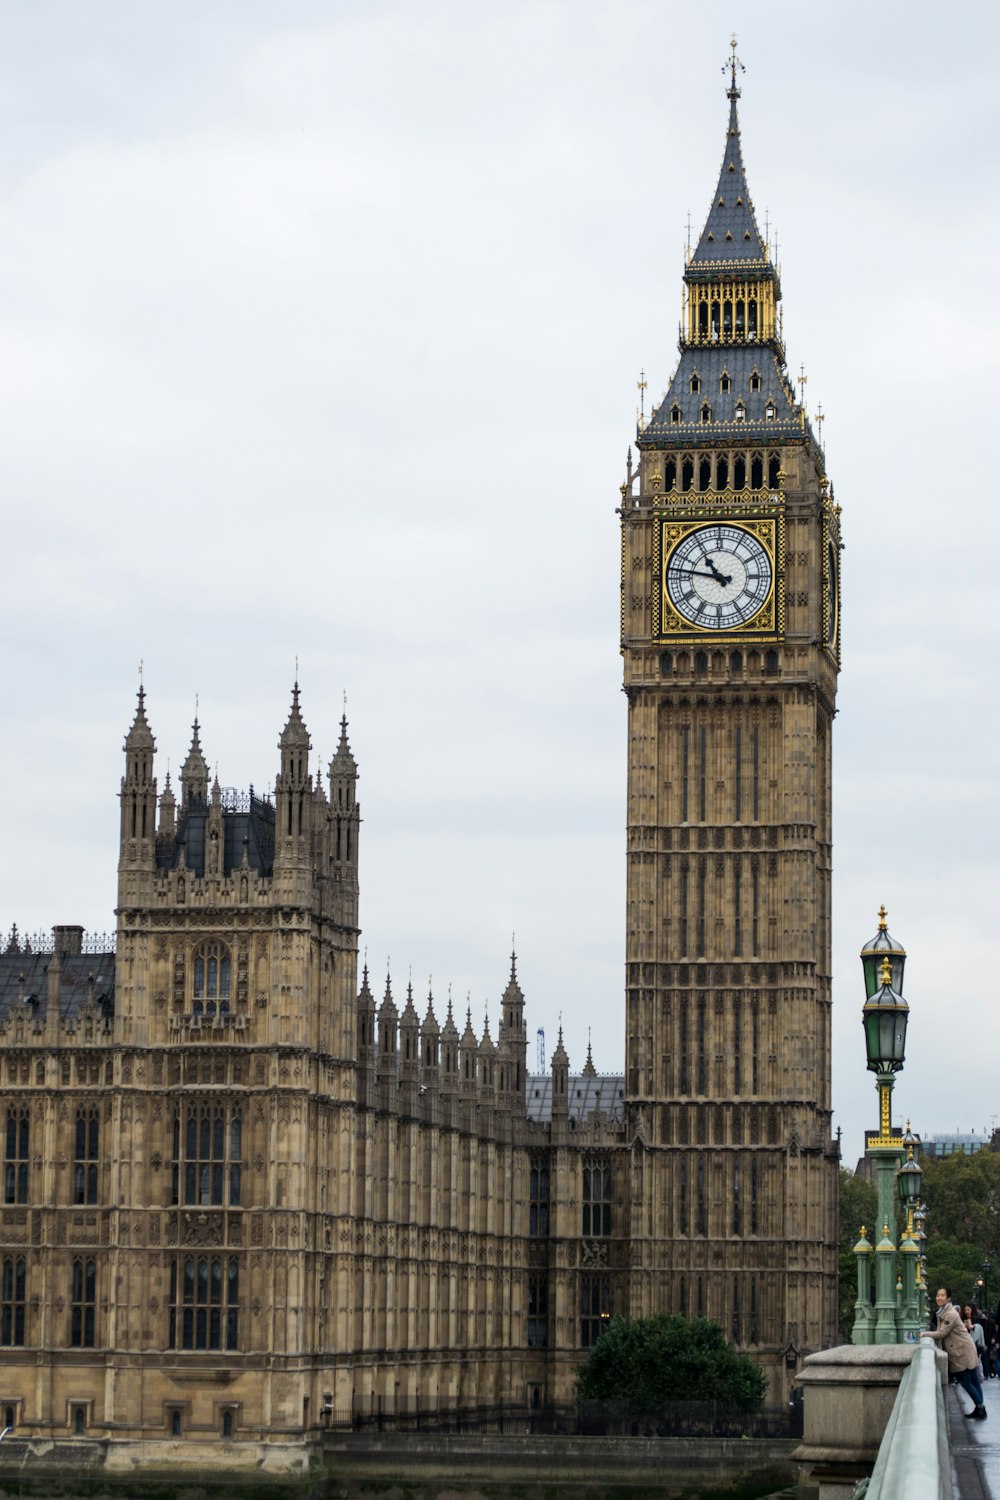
773 470
696 382
82 1308
755 380
666 663
88 1139
704 474
204 1302
756 472
670 475
703 320
227 1423
752 319
741 412
212 970
687 472
724 382
771 662
706 412
727 318
715 320
675 413
596 1199
769 412
208 1155
721 472
12 1299
739 472
740 316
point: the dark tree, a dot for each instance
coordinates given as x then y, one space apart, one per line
645 1363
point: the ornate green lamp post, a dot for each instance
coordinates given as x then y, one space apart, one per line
884 1018
908 1181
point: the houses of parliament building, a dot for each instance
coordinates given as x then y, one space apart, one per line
246 1186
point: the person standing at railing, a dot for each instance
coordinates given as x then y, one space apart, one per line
963 1356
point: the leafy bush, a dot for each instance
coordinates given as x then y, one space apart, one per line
644 1363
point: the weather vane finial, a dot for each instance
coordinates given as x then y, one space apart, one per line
732 65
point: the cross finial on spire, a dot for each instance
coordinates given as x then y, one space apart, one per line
882 914
733 63
641 386
802 380
820 419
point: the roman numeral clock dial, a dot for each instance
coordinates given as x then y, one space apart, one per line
718 577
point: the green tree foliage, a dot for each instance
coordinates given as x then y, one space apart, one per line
644 1363
858 1205
963 1200
956 1266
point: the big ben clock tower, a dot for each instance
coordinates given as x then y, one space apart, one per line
730 638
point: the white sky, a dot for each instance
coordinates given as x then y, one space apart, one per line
320 329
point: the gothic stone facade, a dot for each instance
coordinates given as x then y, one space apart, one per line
238 1190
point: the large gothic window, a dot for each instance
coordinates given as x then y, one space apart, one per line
212 975
86 1157
83 1305
15 1161
204 1302
12 1302
538 1312
538 1221
596 1199
208 1144
595 1308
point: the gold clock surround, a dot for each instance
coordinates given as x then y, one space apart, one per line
766 527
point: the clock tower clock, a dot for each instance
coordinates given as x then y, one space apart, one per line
730 633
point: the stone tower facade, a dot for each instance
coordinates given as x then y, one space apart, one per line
730 639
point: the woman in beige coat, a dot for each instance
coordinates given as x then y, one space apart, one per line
963 1356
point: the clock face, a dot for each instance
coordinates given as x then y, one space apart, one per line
718 577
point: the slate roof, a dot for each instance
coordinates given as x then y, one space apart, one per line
710 362
24 984
588 1092
252 821
730 231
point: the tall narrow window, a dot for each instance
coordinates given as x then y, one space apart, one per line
682 933
207 1161
736 1198
700 1298
687 473
753 1195
701 1226
738 774
83 1304
596 1199
682 1195
538 1312
685 753
736 1309
683 1079
753 1309
702 1057
756 774
15 1166
539 1197
88 1132
595 1308
204 1302
738 913
702 773
755 1051
737 1046
683 1298
12 1302
700 946
755 911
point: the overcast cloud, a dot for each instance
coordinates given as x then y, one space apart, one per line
321 325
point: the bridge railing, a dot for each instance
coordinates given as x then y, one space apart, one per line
913 1457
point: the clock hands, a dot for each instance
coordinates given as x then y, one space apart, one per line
715 575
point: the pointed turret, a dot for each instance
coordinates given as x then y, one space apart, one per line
430 1047
449 1053
513 1042
468 1048
560 1080
366 1035
293 806
409 1040
138 797
194 771
589 1071
167 827
345 827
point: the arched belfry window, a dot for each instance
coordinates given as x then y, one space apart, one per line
773 470
706 413
724 382
675 413
755 380
769 412
212 978
696 382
